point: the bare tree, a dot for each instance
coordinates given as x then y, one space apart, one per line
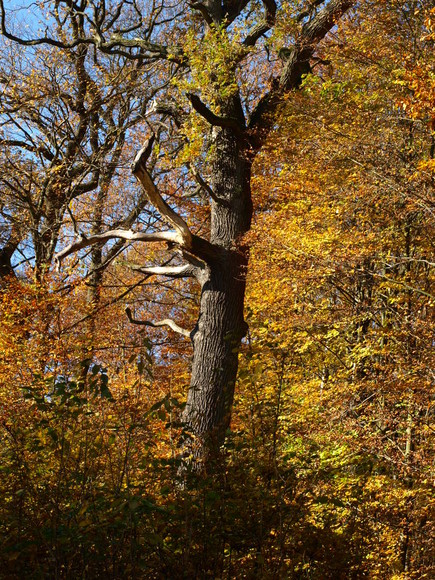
64 129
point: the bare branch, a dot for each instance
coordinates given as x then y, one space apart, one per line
265 25
309 10
33 148
205 186
166 108
114 45
186 271
84 242
168 214
202 9
166 322
325 19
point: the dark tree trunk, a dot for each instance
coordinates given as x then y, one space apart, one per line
6 253
5 262
221 326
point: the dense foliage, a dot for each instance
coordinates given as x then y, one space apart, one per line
327 471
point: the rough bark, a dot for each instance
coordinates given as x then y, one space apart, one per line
221 326
6 253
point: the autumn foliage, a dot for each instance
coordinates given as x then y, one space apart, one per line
327 470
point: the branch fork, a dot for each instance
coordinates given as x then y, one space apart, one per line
139 170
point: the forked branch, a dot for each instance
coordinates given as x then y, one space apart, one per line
296 65
188 242
117 43
168 214
212 118
191 245
205 186
202 9
264 25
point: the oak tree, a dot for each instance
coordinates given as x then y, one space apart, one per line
227 67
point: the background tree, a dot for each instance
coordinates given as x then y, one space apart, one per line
64 129
350 229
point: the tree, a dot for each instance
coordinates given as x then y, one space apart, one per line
223 89
65 118
346 301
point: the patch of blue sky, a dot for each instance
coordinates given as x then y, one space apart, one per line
25 17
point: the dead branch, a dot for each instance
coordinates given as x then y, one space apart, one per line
186 271
84 242
168 214
166 322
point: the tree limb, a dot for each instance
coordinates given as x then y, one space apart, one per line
205 186
264 26
147 48
296 65
166 108
44 151
232 9
168 214
297 60
325 19
202 9
307 12
166 322
185 271
84 242
212 118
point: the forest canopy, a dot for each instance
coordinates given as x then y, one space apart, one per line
217 289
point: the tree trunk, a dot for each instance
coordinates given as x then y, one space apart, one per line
6 253
221 326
